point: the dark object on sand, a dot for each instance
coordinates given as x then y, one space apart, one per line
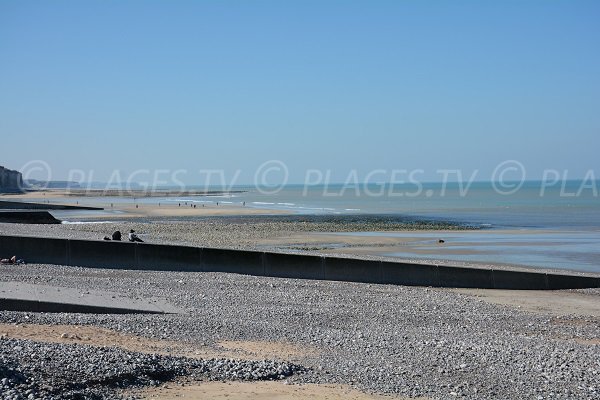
133 237
441 241
106 238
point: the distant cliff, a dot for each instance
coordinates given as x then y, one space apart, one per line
10 180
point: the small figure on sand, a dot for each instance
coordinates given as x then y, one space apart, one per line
12 260
133 237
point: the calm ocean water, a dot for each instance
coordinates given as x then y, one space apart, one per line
531 206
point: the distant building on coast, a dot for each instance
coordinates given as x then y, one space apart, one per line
10 180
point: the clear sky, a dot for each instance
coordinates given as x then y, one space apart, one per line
340 85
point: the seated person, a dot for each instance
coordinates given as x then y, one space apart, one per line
133 237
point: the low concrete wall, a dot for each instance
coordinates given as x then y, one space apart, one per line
53 307
109 254
168 258
236 261
27 217
22 205
301 267
409 274
100 254
37 250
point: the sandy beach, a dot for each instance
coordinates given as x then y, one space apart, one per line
134 209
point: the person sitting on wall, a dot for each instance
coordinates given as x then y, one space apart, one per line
133 237
115 236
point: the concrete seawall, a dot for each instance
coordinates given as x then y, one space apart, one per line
22 205
144 256
27 217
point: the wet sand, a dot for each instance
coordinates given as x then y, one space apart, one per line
583 303
149 211
128 209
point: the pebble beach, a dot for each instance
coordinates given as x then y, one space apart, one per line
378 339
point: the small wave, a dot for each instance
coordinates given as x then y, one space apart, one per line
190 201
287 204
351 209
85 222
316 208
263 203
222 196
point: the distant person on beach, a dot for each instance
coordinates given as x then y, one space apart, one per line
133 237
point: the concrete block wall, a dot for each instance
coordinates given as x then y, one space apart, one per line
145 256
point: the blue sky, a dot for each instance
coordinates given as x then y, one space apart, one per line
339 85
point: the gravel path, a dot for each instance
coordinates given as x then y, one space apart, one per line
381 338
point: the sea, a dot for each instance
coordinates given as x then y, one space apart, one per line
528 223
